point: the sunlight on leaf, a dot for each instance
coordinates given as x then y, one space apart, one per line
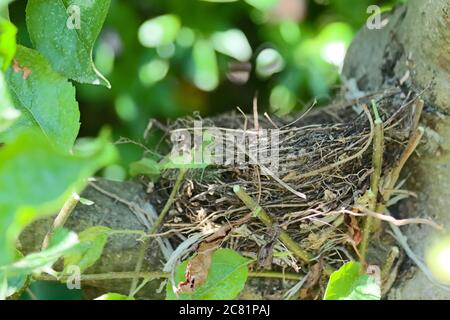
7 42
269 62
113 296
92 242
437 257
8 114
206 74
153 71
159 31
351 283
233 43
263 5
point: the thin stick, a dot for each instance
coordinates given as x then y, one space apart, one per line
262 215
398 222
255 112
377 164
155 275
394 174
146 244
62 217
394 253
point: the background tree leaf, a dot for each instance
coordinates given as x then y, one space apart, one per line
8 114
45 98
92 242
4 4
64 31
226 278
7 42
36 179
113 296
159 31
351 283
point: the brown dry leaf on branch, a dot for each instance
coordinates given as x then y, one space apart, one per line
198 268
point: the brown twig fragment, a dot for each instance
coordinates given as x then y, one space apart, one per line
262 215
62 217
377 164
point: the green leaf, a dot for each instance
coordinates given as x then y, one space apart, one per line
159 31
45 98
206 73
350 283
269 62
12 285
4 8
92 242
114 296
226 278
145 166
219 0
263 5
8 114
7 42
62 242
233 43
36 179
64 31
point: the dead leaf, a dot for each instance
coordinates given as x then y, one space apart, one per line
314 275
265 254
198 268
17 68
354 230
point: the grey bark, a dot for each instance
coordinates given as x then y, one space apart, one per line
121 252
414 46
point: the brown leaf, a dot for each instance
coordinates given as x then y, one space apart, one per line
198 268
265 254
354 230
314 275
17 68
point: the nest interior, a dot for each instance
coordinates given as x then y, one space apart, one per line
326 155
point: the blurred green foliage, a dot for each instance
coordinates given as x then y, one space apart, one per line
165 59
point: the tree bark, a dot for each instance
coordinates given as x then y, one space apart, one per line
413 51
122 251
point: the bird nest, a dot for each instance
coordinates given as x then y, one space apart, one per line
324 168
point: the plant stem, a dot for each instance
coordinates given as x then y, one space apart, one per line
146 244
377 164
62 217
156 275
385 270
262 215
107 276
276 275
141 233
